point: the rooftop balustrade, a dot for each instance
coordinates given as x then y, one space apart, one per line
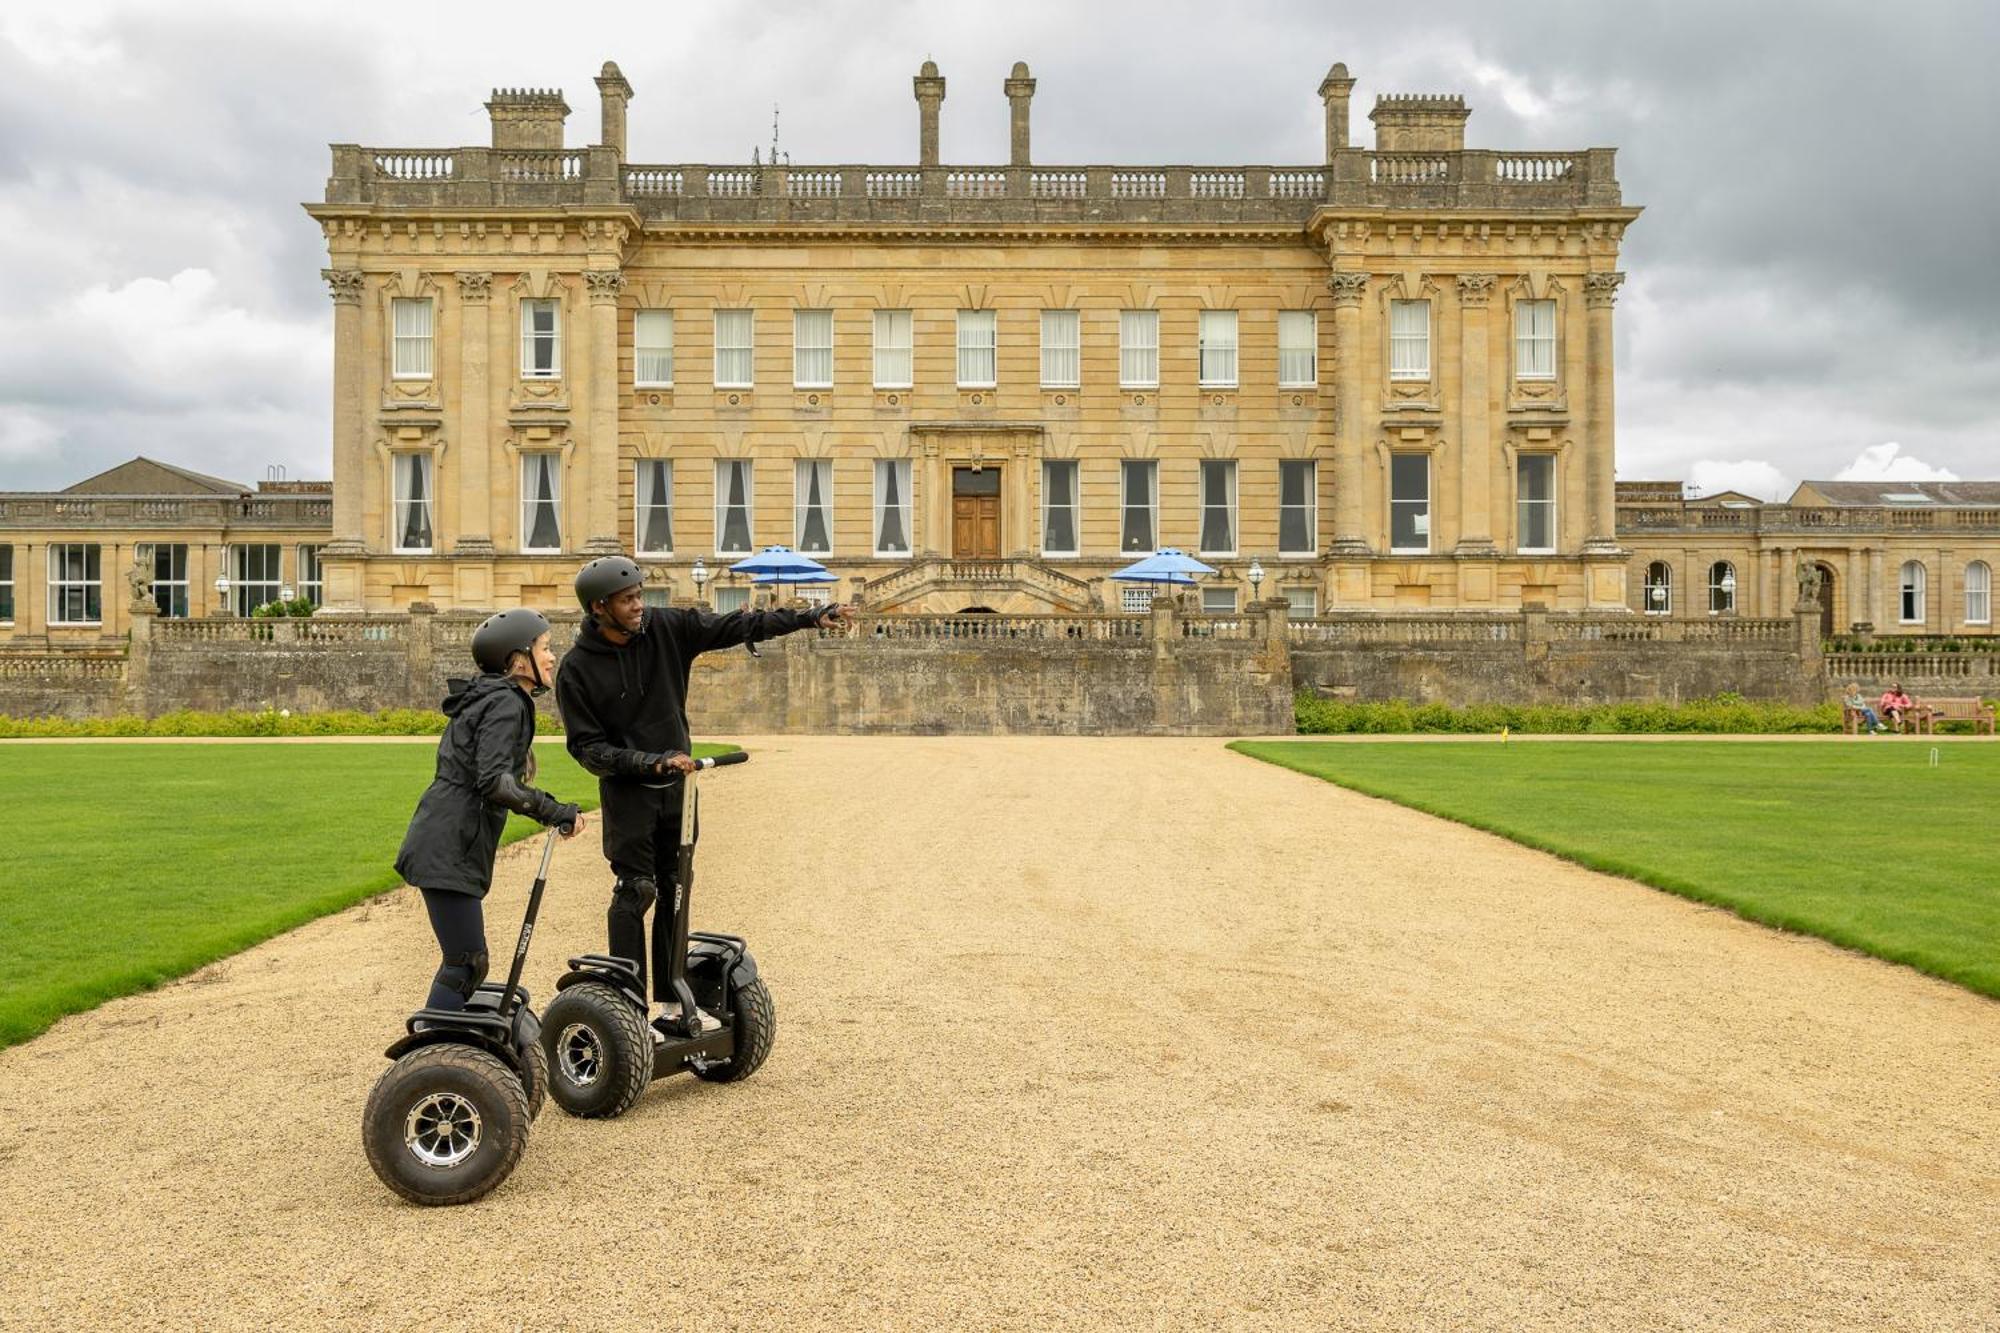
1692 519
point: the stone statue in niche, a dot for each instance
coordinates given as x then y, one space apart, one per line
1808 576
139 580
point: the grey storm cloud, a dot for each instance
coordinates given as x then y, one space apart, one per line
1816 273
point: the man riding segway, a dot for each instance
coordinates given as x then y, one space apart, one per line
622 694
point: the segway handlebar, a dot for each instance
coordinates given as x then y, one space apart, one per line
723 760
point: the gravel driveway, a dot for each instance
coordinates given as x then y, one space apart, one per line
1072 1033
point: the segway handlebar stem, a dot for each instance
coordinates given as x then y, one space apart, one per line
724 760
513 989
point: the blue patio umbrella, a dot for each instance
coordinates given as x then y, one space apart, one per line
778 560
1165 565
798 576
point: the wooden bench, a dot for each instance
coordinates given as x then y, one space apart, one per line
1925 714
1853 719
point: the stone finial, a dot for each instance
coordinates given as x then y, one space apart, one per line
930 93
527 119
614 94
1333 92
1020 92
1419 123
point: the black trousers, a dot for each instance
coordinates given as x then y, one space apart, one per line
642 837
460 926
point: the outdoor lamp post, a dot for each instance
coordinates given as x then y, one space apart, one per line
222 591
1728 586
1657 595
1256 578
287 592
700 576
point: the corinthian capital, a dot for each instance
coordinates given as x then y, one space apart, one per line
1347 288
1475 288
1601 288
343 284
474 286
603 284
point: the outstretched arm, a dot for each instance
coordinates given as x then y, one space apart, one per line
704 631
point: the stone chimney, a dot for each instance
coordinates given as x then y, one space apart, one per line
1419 123
1333 91
1020 92
613 94
527 119
930 93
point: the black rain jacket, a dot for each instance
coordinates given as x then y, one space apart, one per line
485 761
624 706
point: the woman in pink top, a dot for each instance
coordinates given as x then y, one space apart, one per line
1893 705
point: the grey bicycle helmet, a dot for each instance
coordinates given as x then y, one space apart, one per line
500 636
604 577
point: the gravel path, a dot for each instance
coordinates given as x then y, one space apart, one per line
1258 1053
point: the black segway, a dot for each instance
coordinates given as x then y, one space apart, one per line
449 1120
600 1051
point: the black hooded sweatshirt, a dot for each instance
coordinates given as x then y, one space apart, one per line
624 706
485 761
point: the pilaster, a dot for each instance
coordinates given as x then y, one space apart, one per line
598 470
343 577
1475 417
1349 523
1600 293
474 428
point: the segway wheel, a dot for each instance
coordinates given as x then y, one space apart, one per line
756 1027
599 1053
537 1062
445 1124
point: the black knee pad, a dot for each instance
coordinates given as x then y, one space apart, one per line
635 895
463 972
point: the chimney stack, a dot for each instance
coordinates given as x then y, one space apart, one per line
1020 92
930 92
613 94
527 119
1419 123
1333 91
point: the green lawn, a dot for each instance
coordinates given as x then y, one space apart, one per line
1861 843
132 864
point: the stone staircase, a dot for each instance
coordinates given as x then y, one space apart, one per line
976 582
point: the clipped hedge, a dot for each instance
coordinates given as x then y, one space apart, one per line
1724 714
283 722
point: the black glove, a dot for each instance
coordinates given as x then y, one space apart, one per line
564 816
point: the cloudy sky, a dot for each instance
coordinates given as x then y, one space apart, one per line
1813 288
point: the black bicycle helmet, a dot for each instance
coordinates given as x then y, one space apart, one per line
604 577
500 636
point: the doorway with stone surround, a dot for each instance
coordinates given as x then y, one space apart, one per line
975 513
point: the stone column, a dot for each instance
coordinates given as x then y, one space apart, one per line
474 434
350 458
613 94
1878 609
1600 292
1350 534
1475 419
598 473
1333 91
930 95
1020 92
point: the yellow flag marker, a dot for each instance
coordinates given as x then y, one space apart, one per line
1503 735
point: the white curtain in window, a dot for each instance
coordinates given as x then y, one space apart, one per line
892 349
656 505
1913 592
812 498
1138 349
1218 506
1535 516
1062 354
1409 502
1409 340
1979 593
1218 348
653 348
812 349
541 340
733 498
541 500
1298 507
977 341
413 502
734 331
1298 349
412 337
1535 340
1059 507
1137 528
892 506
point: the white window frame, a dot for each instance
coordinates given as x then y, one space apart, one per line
1665 581
401 465
731 599
808 326
1310 508
1522 503
270 582
884 468
1138 349
971 324
1409 339
7 583
1075 472
889 351
739 326
1062 349
1301 603
645 471
1911 593
725 467
150 553
312 572
806 471
653 349
1226 469
1211 594
1217 344
1533 346
1150 469
1722 599
529 458
1978 612
1422 507
530 337
411 338
1298 337
1136 599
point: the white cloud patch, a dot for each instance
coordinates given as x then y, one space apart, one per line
1887 462
1750 476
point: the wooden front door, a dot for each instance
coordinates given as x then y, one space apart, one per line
975 513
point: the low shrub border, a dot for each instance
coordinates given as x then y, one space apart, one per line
1723 714
279 722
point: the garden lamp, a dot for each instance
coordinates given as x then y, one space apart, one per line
1256 578
700 576
1728 584
222 590
1656 594
287 593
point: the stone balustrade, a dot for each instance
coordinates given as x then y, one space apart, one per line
1635 520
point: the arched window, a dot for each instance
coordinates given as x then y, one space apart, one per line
1658 592
1721 587
1913 592
1978 593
